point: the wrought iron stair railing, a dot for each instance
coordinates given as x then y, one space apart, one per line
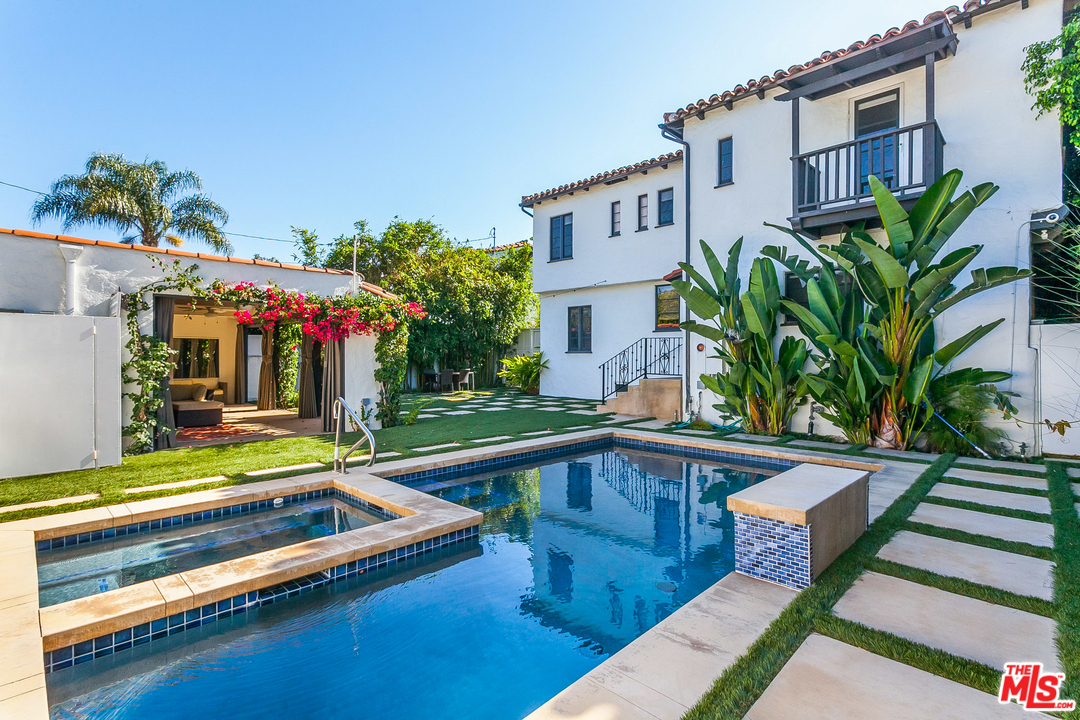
648 357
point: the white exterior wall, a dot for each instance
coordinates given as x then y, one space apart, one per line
615 275
621 315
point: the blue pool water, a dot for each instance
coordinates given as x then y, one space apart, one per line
81 570
576 557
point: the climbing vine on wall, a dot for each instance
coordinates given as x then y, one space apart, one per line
334 318
150 358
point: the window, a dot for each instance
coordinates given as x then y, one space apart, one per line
195 357
666 201
643 212
562 237
616 218
877 156
795 290
579 329
724 176
667 308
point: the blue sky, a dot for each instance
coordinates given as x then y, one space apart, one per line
319 114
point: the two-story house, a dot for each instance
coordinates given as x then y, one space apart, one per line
797 147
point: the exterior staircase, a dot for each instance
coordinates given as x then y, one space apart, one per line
645 379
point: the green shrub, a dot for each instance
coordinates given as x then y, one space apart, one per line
523 371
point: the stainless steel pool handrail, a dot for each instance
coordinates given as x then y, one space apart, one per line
339 421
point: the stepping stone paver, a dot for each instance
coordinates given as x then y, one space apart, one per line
425 416
1076 488
996 498
695 432
974 629
493 409
992 478
1007 571
829 680
50 503
983 462
492 439
649 425
902 454
980 523
751 438
586 412
287 468
171 485
619 419
461 412
578 427
539 432
549 408
1073 472
820 444
435 447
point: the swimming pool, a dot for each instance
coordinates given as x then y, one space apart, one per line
80 570
577 556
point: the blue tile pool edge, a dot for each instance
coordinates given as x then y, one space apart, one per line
213 514
128 638
666 447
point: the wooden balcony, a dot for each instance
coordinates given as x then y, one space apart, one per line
831 187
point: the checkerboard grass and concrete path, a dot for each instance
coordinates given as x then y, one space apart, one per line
961 590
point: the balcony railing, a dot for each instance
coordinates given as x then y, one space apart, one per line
837 178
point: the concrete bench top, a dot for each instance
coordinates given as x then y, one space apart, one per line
793 495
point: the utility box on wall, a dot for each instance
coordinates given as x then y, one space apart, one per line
61 401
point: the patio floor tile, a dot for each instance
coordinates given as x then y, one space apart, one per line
995 498
979 523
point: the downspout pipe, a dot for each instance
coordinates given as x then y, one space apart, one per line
676 135
71 255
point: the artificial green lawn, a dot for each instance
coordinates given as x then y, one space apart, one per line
234 459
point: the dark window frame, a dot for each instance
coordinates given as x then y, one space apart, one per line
660 207
657 327
616 218
564 241
795 290
729 142
642 204
581 342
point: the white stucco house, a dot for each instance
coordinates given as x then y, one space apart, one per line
795 147
62 337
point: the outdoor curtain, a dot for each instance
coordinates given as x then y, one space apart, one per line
240 365
308 406
163 328
333 380
267 382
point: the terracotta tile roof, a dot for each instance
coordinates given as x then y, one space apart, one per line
530 200
767 82
374 289
501 248
673 275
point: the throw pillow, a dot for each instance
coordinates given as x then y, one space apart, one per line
198 392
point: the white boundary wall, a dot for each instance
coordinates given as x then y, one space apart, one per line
61 406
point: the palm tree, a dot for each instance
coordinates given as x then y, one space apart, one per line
144 201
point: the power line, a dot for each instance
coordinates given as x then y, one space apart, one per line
224 232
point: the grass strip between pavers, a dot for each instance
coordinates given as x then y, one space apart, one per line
991 486
959 586
1066 579
926 658
742 683
1018 548
998 470
988 509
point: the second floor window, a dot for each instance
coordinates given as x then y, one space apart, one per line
666 201
616 218
725 175
579 329
643 212
562 237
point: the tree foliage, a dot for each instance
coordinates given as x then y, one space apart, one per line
143 201
476 303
